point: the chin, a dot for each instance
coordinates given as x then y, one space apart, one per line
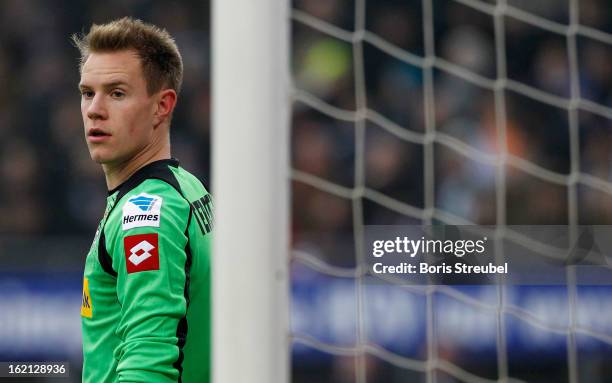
100 158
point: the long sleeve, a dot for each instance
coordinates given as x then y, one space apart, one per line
149 254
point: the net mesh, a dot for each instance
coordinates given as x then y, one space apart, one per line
504 161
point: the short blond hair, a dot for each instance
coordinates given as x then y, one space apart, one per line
162 65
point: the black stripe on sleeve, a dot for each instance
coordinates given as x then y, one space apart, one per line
181 329
104 257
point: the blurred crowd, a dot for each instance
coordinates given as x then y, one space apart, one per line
337 73
51 187
49 184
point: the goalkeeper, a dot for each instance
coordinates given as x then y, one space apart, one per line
146 286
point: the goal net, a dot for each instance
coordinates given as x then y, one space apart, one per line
459 112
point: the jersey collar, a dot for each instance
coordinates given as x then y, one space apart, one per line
145 172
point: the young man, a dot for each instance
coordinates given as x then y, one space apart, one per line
146 287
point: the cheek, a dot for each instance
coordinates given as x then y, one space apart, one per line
138 124
84 111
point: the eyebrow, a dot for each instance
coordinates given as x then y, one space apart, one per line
109 85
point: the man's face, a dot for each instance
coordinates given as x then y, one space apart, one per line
118 113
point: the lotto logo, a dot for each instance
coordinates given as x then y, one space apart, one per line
141 252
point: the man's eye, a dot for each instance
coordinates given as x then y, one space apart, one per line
87 94
117 94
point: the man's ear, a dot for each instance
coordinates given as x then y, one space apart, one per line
166 101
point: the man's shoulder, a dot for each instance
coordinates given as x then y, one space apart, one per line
188 183
162 188
163 176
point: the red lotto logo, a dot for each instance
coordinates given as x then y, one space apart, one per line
141 252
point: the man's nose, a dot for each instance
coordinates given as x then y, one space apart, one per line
97 108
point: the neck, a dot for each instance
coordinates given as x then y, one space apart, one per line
118 173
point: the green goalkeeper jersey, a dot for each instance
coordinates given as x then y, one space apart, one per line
146 289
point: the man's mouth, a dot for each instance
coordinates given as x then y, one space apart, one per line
95 132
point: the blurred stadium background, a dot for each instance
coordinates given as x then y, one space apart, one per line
401 109
52 194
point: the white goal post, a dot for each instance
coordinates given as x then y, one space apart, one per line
250 174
